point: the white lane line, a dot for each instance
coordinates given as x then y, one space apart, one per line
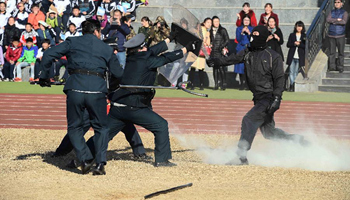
184 107
295 119
218 115
167 100
208 126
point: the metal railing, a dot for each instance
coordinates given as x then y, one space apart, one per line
317 33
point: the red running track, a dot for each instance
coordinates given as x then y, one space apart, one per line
185 115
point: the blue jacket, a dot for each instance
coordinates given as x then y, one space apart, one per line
337 29
243 40
120 32
45 35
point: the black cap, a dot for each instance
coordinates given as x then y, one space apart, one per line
136 41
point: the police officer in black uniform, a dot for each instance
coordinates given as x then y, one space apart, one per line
132 136
265 79
86 88
134 105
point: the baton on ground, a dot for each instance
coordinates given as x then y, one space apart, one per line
168 190
163 87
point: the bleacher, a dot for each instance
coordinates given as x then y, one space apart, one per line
288 11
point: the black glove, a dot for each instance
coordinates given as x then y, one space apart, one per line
190 47
274 106
173 35
44 82
210 62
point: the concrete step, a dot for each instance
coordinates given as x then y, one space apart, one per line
335 74
347 47
332 88
347 60
228 3
228 14
347 67
336 81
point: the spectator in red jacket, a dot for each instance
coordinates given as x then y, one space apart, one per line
268 13
13 53
246 11
36 16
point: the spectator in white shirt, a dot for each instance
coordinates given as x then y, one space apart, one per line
76 18
72 32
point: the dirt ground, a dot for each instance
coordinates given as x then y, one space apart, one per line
28 172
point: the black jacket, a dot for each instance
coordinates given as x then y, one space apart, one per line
263 69
275 45
141 69
10 32
85 52
292 48
218 42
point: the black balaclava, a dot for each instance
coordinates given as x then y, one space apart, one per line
259 41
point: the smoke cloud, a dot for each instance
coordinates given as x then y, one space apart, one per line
324 153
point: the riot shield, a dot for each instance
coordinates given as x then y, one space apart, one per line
187 27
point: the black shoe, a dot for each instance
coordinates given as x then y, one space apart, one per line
331 69
99 169
341 71
201 87
216 87
142 157
86 167
224 85
72 164
165 164
244 161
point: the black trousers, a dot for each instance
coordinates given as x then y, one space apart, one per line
96 106
336 43
147 118
131 134
257 118
57 66
9 70
219 73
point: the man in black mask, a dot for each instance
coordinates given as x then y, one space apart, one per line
265 78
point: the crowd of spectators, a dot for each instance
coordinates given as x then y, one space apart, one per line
29 27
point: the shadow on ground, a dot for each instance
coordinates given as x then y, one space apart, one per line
62 161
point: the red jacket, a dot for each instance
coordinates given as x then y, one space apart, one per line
251 14
13 53
261 22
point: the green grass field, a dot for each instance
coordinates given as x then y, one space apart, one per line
26 88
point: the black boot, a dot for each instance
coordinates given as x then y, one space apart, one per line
215 75
191 75
222 71
242 81
291 87
99 169
86 166
201 79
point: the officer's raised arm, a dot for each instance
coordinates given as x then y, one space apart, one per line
170 56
